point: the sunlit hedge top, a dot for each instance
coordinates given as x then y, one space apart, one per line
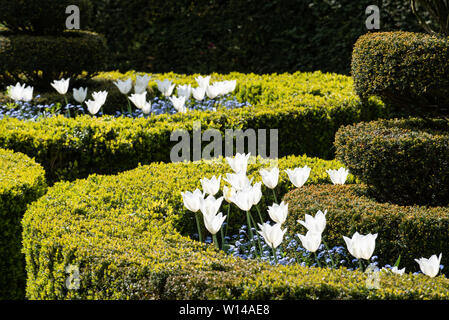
122 232
306 108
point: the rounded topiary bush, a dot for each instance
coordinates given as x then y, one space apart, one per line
402 161
41 17
411 232
42 59
410 71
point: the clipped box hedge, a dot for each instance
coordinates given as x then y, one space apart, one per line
38 60
409 71
410 231
402 161
122 234
306 108
21 182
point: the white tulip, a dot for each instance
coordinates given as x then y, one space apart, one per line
256 192
338 176
273 235
311 241
431 266
214 222
80 94
315 224
211 186
100 96
298 176
124 86
62 86
192 200
179 104
166 87
93 106
239 163
203 82
139 100
361 246
230 85
397 271
199 93
27 94
244 199
228 193
16 92
270 178
210 205
141 84
147 108
213 91
278 213
238 180
185 91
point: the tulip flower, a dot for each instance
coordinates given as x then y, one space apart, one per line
139 100
212 92
62 86
214 222
192 200
431 266
244 199
99 100
278 213
256 193
311 241
338 176
80 94
185 91
146 109
238 180
273 235
298 176
270 178
397 271
210 205
211 186
166 87
228 193
27 94
125 86
239 163
203 82
199 93
230 85
315 224
361 246
179 104
141 84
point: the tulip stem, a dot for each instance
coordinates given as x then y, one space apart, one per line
275 198
360 264
222 239
227 223
129 107
275 256
260 215
214 236
200 237
258 240
329 255
317 261
250 232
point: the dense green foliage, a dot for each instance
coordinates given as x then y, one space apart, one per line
38 60
409 231
122 233
306 108
403 161
43 17
21 182
407 70
246 36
